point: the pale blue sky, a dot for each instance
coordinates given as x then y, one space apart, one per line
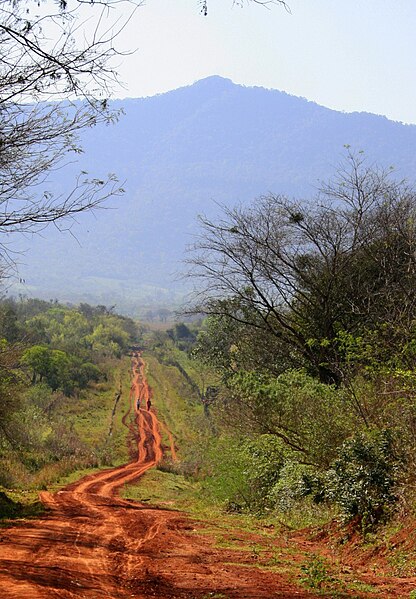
352 55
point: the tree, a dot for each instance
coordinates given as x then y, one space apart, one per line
37 358
306 272
9 329
109 338
55 77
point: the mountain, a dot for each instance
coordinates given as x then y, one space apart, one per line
181 154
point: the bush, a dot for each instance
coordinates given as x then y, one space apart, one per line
264 458
243 472
362 479
296 481
226 482
12 472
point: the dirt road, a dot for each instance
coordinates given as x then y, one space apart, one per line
95 545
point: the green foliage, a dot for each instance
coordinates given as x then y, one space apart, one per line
225 480
108 338
59 370
45 386
82 332
284 444
296 481
38 358
315 572
229 346
264 458
302 272
311 418
240 473
71 343
50 365
182 336
9 329
363 477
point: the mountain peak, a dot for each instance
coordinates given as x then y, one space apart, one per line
186 152
214 81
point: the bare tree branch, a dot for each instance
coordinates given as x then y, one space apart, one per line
56 73
305 271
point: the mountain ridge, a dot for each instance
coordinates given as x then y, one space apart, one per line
183 153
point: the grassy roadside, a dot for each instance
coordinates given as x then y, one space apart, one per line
174 400
265 544
91 416
250 542
178 408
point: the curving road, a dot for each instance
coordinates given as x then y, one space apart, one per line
86 548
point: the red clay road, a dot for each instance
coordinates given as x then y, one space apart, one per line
94 545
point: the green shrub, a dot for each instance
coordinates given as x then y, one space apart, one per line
242 472
264 458
362 479
295 482
315 572
226 482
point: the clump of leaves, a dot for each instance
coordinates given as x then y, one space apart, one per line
297 481
315 572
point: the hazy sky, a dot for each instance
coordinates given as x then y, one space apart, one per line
344 54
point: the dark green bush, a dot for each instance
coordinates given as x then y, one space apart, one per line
295 482
264 458
363 477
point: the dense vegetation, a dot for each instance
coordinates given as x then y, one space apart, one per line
310 341
59 367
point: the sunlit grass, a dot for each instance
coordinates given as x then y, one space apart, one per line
91 414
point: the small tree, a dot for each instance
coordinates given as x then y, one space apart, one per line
37 358
364 476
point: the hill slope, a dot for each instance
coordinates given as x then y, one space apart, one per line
180 153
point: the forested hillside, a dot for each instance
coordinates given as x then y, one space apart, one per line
179 153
